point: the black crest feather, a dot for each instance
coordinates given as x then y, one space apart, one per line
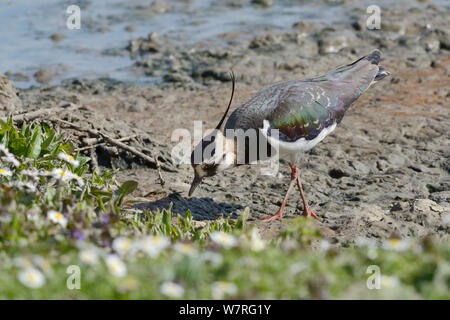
233 80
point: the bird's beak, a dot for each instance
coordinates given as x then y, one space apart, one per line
194 184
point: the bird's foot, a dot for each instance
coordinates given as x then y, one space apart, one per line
276 216
307 212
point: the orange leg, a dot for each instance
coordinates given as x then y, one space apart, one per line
279 214
307 212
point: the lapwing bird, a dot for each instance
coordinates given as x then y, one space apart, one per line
292 118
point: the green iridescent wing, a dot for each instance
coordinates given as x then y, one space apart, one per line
305 113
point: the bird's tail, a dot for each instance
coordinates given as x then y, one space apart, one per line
362 72
375 57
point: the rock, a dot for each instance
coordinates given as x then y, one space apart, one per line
139 105
44 75
444 39
393 27
428 213
57 37
263 3
336 41
212 73
266 41
130 28
305 26
141 45
399 206
177 77
357 25
308 47
337 173
133 47
9 101
431 43
153 37
160 7
147 46
17 77
441 197
426 205
396 160
373 213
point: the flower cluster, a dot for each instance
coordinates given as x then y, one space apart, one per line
66 176
8 157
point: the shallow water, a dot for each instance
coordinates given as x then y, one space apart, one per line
98 48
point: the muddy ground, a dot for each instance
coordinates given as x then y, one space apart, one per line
385 171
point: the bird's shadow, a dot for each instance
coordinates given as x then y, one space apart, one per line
201 208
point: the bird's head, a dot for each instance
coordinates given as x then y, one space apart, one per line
212 155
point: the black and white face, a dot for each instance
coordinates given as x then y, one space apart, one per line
209 158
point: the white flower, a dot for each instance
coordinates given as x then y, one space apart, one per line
221 289
325 245
215 259
31 172
21 262
396 244
79 180
5 172
57 217
172 290
184 248
34 174
365 242
116 266
4 149
62 175
153 245
122 245
33 216
388 282
68 158
25 186
256 243
32 278
223 239
42 263
372 253
11 159
298 267
88 256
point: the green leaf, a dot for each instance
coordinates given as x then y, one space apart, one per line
125 189
243 218
82 167
67 148
49 140
128 187
18 146
34 148
98 192
5 138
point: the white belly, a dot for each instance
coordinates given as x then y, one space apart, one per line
291 150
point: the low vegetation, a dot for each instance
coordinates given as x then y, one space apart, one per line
67 232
